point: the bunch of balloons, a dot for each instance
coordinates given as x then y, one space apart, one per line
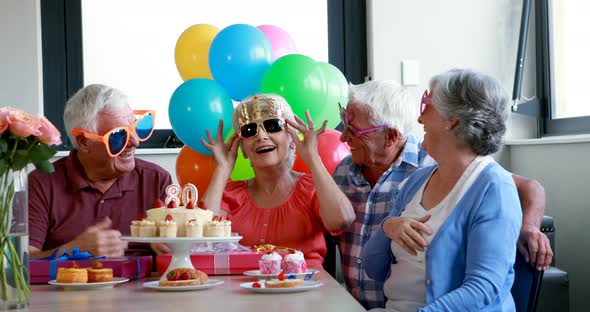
222 66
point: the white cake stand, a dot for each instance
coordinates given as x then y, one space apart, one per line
181 247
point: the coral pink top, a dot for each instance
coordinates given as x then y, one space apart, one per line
295 223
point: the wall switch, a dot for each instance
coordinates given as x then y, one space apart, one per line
410 70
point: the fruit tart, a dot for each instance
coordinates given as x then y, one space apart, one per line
184 277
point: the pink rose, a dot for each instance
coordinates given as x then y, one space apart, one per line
4 121
49 134
22 124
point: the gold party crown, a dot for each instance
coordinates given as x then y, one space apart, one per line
258 108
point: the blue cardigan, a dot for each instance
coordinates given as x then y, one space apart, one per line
469 262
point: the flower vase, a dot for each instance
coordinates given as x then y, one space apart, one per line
14 240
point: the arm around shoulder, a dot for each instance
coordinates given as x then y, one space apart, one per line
532 199
377 256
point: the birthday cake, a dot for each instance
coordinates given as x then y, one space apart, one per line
181 208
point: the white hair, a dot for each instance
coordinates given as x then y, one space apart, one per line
388 103
82 108
287 114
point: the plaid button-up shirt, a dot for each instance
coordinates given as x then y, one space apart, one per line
371 206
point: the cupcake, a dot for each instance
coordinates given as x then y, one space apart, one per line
168 228
194 228
270 263
226 224
294 262
135 226
213 229
147 228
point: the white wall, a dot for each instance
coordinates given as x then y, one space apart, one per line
483 35
440 35
20 55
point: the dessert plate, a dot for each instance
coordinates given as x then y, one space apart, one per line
87 286
307 285
155 285
298 275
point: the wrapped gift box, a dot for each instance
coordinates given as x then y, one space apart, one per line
42 271
217 263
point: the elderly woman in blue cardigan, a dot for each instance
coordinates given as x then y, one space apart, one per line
465 209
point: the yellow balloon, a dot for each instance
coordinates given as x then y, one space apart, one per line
192 51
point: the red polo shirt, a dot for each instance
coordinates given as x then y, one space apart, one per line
62 204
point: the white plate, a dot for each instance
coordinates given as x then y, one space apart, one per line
307 285
155 285
181 239
258 274
84 286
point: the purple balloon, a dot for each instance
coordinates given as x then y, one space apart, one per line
281 42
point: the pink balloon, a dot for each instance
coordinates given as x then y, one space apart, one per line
281 42
331 151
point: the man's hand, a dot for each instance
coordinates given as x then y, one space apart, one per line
101 240
160 248
535 247
408 232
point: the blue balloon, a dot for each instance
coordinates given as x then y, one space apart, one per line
239 56
198 105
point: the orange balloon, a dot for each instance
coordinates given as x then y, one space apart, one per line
196 168
331 151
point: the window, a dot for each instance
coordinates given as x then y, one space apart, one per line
562 65
115 43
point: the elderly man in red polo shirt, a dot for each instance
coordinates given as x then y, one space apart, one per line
100 187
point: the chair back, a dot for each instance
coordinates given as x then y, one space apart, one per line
527 284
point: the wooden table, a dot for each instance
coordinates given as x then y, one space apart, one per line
229 296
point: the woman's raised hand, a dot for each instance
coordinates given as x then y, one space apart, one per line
224 153
408 232
308 147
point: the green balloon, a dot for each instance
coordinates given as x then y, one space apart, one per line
300 80
242 169
336 88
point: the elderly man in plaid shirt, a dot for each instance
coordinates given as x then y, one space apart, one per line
378 121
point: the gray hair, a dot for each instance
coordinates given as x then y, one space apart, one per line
82 108
479 103
388 103
287 114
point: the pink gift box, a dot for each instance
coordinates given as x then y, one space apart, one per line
217 263
42 271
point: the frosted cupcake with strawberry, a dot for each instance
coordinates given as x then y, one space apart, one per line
147 228
135 225
294 262
194 228
168 227
270 263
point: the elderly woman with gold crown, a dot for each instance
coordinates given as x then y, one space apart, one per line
278 206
